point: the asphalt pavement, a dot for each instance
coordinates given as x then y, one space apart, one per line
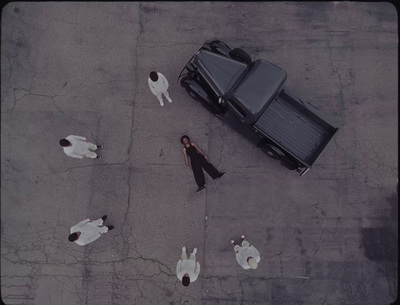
81 68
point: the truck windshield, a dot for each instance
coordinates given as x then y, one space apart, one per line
237 79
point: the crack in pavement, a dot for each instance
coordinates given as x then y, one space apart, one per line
129 151
52 98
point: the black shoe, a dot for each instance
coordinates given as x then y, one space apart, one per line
200 189
104 217
98 157
99 146
220 175
110 228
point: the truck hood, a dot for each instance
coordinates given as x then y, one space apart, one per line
219 71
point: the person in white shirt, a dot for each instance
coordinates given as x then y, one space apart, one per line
79 147
187 270
159 85
246 255
88 231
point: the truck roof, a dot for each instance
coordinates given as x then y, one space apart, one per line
220 72
261 83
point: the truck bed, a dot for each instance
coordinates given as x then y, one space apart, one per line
295 127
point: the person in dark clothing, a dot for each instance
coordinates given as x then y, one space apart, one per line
198 161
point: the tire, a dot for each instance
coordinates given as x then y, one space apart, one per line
197 96
192 93
272 151
240 55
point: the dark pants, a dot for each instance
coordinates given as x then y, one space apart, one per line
198 167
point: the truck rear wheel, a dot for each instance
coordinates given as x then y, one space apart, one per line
272 151
240 55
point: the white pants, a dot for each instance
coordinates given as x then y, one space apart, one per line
99 223
89 151
159 96
192 256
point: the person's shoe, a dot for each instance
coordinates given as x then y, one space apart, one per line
99 146
110 228
183 249
220 175
233 242
98 157
194 251
200 189
169 100
161 104
104 217
242 237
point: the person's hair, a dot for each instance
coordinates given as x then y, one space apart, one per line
72 237
185 137
153 76
64 142
185 281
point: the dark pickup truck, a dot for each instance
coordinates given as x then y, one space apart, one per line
249 96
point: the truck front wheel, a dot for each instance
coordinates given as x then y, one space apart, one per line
193 89
199 95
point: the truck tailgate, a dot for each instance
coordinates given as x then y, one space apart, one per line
296 128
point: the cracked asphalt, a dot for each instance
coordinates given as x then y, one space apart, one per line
329 237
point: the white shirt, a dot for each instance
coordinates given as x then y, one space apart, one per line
78 148
188 266
246 252
89 232
160 85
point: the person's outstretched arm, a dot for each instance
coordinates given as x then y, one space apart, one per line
257 254
76 227
197 269
91 238
83 222
178 268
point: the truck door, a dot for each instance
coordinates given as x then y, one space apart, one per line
234 118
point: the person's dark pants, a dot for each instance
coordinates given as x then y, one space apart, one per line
197 168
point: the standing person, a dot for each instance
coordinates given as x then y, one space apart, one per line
159 85
88 231
198 160
79 147
246 255
187 270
